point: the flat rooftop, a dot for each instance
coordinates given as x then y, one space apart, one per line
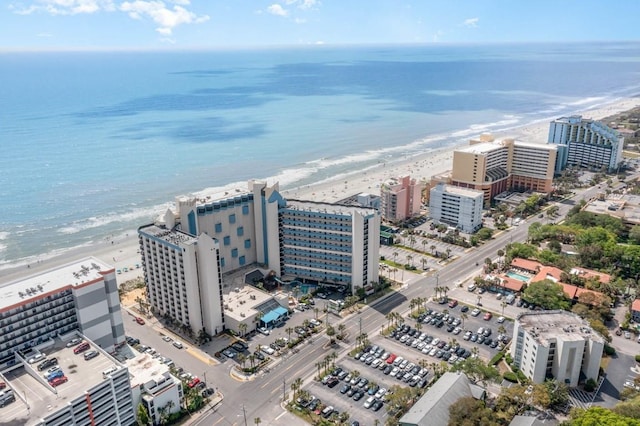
171 236
41 400
330 208
144 368
625 207
54 280
243 300
550 326
481 148
547 146
465 192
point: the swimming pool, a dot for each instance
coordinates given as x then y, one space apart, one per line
517 276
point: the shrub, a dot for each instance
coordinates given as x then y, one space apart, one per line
497 357
590 385
609 350
521 377
637 358
510 377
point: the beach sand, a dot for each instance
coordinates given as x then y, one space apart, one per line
123 253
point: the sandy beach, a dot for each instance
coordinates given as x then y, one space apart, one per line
122 252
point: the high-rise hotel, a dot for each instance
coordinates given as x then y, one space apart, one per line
186 252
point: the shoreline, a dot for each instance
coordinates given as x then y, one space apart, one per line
122 251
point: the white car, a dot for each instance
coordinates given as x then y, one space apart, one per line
264 331
475 312
268 350
35 358
369 402
376 363
457 330
394 372
500 320
381 392
433 352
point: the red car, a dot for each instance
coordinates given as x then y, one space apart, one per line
487 316
194 382
391 358
81 348
139 320
3 385
453 303
58 381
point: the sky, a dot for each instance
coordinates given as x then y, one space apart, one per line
223 24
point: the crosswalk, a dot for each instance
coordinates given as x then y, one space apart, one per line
581 399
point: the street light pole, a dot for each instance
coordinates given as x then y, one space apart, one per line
244 413
284 387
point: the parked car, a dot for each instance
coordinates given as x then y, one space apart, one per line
90 355
193 382
139 320
81 348
73 342
475 312
487 316
264 331
178 344
47 363
58 381
35 358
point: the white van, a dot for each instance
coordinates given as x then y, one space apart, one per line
471 287
178 344
108 371
510 299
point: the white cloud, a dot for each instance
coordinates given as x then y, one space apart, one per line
166 14
64 7
166 19
300 21
471 22
308 4
276 9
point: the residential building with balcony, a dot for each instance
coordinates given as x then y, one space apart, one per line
153 386
329 243
82 295
182 275
400 199
556 344
457 207
585 143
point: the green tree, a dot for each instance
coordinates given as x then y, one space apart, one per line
469 411
143 416
630 408
477 370
598 416
634 234
547 294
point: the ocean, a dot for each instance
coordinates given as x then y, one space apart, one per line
96 144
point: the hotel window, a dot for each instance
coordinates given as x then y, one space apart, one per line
240 231
218 227
222 262
234 252
245 210
232 218
227 240
247 244
242 260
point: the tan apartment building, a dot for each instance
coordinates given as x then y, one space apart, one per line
494 167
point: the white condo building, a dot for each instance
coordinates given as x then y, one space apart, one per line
556 344
153 386
81 295
183 276
458 207
585 143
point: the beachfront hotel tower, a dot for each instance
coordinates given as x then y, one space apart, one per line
585 143
182 275
81 295
457 207
187 252
329 243
400 199
556 344
494 167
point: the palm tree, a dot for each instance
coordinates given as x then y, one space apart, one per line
412 240
448 253
295 386
445 289
316 311
424 244
503 304
341 329
242 327
390 316
289 330
257 420
501 329
433 249
409 257
424 261
395 256
319 365
464 316
418 326
252 359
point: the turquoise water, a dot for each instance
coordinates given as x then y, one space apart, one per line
97 143
517 276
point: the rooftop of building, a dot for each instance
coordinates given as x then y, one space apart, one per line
172 236
548 326
211 195
41 399
75 274
464 192
332 208
242 301
481 147
143 369
635 306
623 206
542 146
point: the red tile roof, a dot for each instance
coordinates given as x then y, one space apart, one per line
635 306
547 272
588 273
569 290
526 264
511 283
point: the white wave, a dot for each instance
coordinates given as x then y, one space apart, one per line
2 248
480 128
585 101
4 235
100 221
324 163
